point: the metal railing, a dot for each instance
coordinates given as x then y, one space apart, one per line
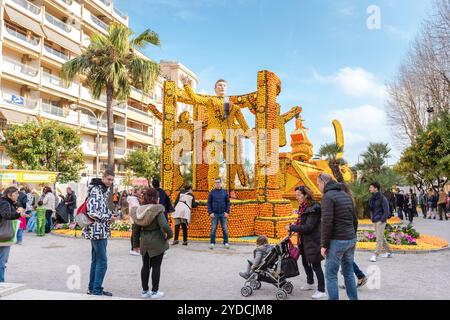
122 14
52 109
55 80
58 23
99 22
68 2
119 127
55 52
138 131
144 113
106 2
22 36
20 67
28 5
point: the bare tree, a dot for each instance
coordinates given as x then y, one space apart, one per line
422 86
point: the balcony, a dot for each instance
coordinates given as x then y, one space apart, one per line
141 112
120 106
119 127
54 82
55 54
120 15
58 23
30 9
17 100
139 132
62 28
52 109
18 69
21 37
72 6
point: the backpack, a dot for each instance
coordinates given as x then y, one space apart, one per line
81 218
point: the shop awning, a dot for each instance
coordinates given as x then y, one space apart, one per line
62 41
13 116
24 21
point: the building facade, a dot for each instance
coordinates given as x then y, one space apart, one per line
36 39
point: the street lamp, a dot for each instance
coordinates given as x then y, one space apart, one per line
98 119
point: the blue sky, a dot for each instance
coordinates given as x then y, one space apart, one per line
326 56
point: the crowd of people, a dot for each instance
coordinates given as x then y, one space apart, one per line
433 204
325 231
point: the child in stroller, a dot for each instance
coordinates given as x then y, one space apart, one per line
275 268
262 250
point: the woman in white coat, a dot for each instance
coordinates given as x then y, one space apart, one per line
183 212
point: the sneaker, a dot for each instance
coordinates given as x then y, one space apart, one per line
319 295
175 242
387 255
157 295
185 243
244 275
373 259
361 282
227 246
308 287
342 286
89 293
211 246
146 294
134 253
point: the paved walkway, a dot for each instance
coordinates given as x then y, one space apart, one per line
196 272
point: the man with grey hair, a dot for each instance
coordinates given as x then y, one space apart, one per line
338 241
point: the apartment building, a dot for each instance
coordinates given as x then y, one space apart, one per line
36 39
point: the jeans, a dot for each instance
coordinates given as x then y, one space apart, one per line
423 207
4 254
19 235
48 223
358 273
400 212
71 215
223 222
340 252
153 263
99 264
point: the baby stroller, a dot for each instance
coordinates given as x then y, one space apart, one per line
276 267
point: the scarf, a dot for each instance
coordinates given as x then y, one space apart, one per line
302 208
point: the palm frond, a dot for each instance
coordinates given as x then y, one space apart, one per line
145 38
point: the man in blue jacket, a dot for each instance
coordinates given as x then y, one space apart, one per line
379 208
218 210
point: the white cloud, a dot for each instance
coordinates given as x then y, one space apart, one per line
361 126
355 82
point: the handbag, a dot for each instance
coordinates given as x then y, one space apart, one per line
294 252
6 230
289 267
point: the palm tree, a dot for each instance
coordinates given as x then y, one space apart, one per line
330 152
374 159
110 64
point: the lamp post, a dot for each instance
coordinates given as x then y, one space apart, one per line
98 119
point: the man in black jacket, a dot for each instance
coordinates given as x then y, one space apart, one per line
379 208
164 200
338 241
70 202
400 201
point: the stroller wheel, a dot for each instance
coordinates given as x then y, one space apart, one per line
281 294
255 284
288 287
246 291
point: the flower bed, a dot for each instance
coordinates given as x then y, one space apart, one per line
397 235
423 243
